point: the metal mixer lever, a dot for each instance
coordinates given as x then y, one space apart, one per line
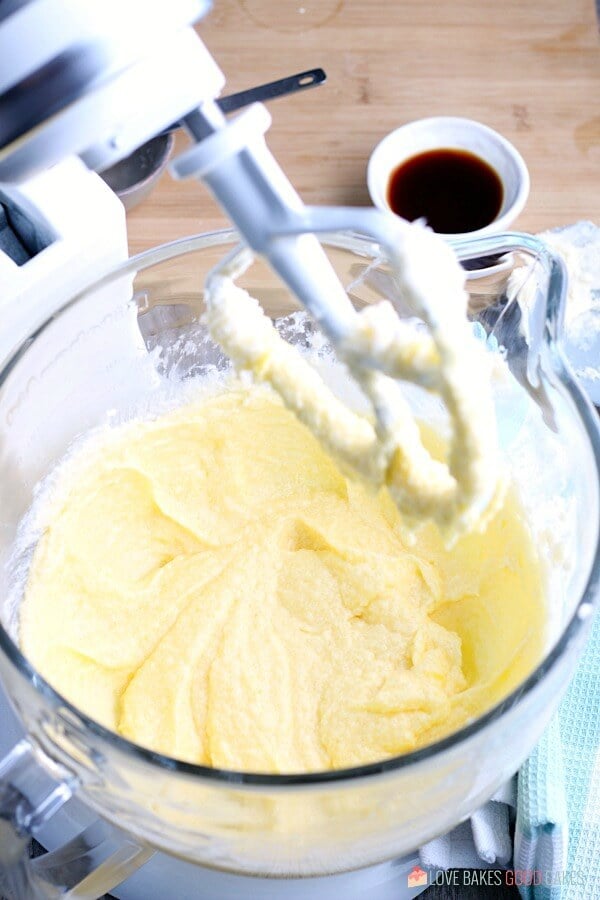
291 84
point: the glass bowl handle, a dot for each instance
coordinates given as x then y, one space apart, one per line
32 790
545 314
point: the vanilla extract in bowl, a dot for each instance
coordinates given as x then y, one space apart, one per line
454 190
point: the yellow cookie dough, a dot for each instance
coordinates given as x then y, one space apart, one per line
210 585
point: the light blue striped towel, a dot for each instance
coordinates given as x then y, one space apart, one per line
557 799
558 807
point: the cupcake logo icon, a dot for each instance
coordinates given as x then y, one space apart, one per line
417 877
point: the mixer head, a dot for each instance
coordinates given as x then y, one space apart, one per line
76 77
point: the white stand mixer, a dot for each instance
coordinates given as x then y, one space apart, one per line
76 78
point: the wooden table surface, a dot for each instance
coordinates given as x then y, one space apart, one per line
529 69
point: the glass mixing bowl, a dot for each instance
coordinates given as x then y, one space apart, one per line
125 346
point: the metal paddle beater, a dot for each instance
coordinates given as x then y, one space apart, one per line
435 350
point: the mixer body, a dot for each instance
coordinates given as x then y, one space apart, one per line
75 79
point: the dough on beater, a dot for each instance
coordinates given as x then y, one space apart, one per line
210 585
459 494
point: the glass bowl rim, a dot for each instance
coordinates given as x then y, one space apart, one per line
573 630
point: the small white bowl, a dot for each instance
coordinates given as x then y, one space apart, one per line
449 132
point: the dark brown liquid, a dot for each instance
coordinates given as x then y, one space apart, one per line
454 190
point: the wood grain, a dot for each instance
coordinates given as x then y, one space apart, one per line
530 70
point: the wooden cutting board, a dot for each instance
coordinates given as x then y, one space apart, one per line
529 69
